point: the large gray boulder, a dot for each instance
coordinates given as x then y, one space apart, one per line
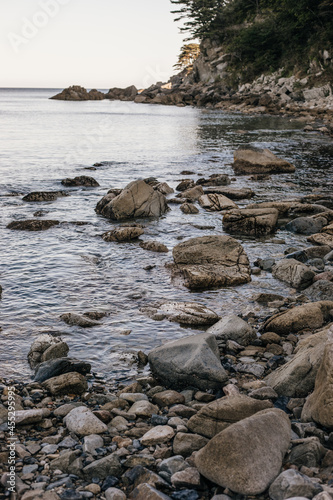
296 378
192 361
255 222
306 225
252 160
232 327
247 456
294 273
220 414
138 199
212 261
320 290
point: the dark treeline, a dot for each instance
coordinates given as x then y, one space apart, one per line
262 34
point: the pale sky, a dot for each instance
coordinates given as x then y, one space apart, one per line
93 43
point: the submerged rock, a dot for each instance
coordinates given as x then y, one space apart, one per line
212 261
154 246
247 456
231 193
82 180
121 234
79 320
39 196
252 160
32 225
192 361
188 313
215 180
138 199
55 367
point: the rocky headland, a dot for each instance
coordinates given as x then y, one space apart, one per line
242 409
209 85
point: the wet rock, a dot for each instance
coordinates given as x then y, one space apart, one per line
32 225
189 208
318 406
294 273
212 261
185 444
138 199
320 290
121 234
216 202
232 327
254 222
68 383
296 378
154 246
185 184
215 180
291 483
46 347
74 319
106 466
252 160
192 194
55 367
83 422
163 188
82 180
44 195
312 315
231 193
188 313
220 414
306 225
157 435
321 239
193 361
236 459
28 417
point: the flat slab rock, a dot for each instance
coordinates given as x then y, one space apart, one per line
123 234
231 193
82 180
252 160
188 313
214 202
212 261
32 224
256 222
39 196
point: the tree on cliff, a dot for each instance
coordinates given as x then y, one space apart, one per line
262 35
187 56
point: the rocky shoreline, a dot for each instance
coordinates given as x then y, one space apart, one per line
242 410
274 95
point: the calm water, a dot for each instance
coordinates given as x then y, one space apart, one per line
69 268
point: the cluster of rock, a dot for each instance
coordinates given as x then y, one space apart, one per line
225 415
77 93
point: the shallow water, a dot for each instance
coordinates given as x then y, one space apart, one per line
69 268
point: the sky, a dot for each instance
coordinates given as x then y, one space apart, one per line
96 44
